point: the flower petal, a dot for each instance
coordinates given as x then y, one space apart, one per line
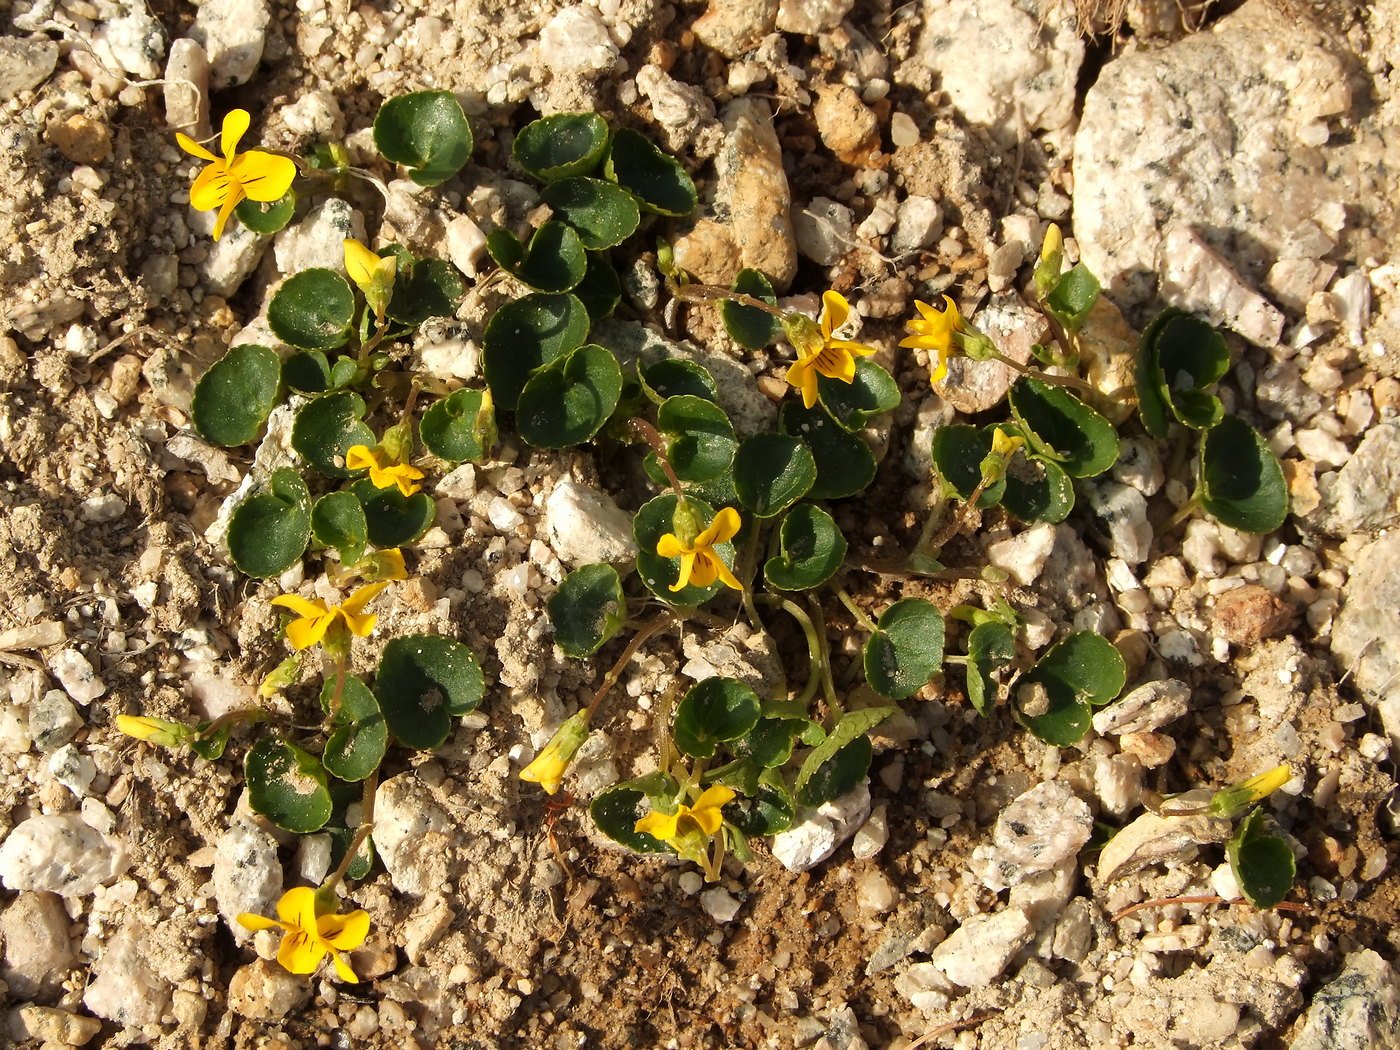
234 128
687 567
306 632
725 576
715 795
300 605
835 310
358 457
210 187
703 572
723 529
342 968
233 200
359 262
670 546
193 148
658 825
258 922
300 953
298 907
345 931
355 604
264 176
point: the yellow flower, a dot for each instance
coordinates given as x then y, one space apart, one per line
385 475
818 353
1231 801
230 179
314 619
550 765
700 565
373 274
934 332
689 826
383 565
154 730
310 935
1004 444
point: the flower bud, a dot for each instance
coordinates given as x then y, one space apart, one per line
550 765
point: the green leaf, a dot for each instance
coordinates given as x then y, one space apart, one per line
327 427
307 372
958 452
359 735
525 334
811 550
750 327
1262 863
567 401
832 778
587 609
1037 490
702 442
287 785
1062 428
391 518
1056 697
553 262
616 811
1072 297
600 290
268 532
338 520
991 645
769 743
854 404
711 712
907 650
312 310
1179 359
654 519
232 400
266 217
772 472
673 376
658 181
561 145
460 427
845 464
768 810
853 727
423 681
427 132
1241 483
427 288
603 213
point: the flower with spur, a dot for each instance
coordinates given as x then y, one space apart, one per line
312 931
689 829
933 331
550 765
383 473
818 352
700 565
314 620
229 180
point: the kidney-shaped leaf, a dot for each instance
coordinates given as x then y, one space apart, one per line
656 518
1062 428
287 785
561 145
750 327
338 521
1262 863
845 464
567 401
391 518
587 609
554 261
422 682
1241 482
427 132
359 735
525 334
712 712
702 442
602 213
269 531
658 181
811 550
460 427
617 810
907 650
327 427
772 472
233 398
313 310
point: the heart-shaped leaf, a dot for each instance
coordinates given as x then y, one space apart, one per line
232 400
359 735
1062 428
658 181
427 288
269 531
554 261
1037 490
768 744
824 774
673 376
772 472
287 785
1241 482
461 427
427 132
338 521
266 217
907 650
811 550
525 334
845 464
702 444
391 518
423 681
312 310
602 213
327 427
307 372
568 400
587 609
711 712
750 327
561 145
1262 863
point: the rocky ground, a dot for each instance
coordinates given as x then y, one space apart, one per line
1234 158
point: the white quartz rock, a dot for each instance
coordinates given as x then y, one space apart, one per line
59 853
586 526
247 875
977 952
812 840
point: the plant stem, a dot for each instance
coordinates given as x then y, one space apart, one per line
652 437
856 611
634 643
813 646
828 686
710 293
1068 381
367 797
1187 509
964 511
339 669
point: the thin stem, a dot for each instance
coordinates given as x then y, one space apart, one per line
614 672
339 687
1070 381
856 611
813 646
1188 508
710 293
367 796
960 518
652 437
828 686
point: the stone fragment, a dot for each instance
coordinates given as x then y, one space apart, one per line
233 34
1357 1010
753 190
411 834
926 987
59 853
73 769
823 231
1123 510
681 109
1195 278
125 987
810 17
708 252
187 89
1366 634
38 950
876 893
1151 839
576 42
429 922
1145 708
719 904
873 834
319 239
975 386
316 114
39 635
1038 830
24 64
1364 496
1249 614
231 258
81 139
53 721
810 841
979 950
847 126
735 27
263 991
918 224
76 675
1023 556
1139 465
58 1027
247 875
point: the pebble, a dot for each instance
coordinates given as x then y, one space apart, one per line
1366 635
60 853
925 986
816 837
411 834
1124 510
126 988
735 27
824 231
247 875
873 834
53 721
576 42
1139 465
875 893
903 130
73 769
1145 708
917 225
1195 278
316 114
319 239
233 34
187 89
1024 555
231 258
38 950
76 675
1034 833
1358 1008
39 635
754 187
59 1027
587 527
24 64
810 17
847 126
263 991
1364 495
502 515
719 904
978 951
1151 839
1249 614
81 139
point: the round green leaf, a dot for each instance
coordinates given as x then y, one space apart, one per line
553 262
1241 482
603 213
854 404
427 288
750 327
267 216
617 810
287 785
836 775
672 376
702 444
769 743
654 519
658 181
1037 490
233 398
567 401
990 646
1062 428
712 712
327 427
767 811
359 735
1262 863
525 334
460 427
772 472
587 609
907 650
1088 663
307 372
600 290
561 145
391 518
423 681
268 532
845 464
338 521
312 310
958 452
1050 709
812 549
427 132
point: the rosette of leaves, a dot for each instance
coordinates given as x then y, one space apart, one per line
1056 697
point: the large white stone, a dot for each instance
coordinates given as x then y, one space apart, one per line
59 853
977 952
126 987
247 875
815 838
411 835
233 33
576 42
586 526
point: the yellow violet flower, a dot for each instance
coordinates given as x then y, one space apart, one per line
373 274
550 765
700 565
154 730
230 179
1229 802
933 331
688 827
818 353
1004 444
310 935
383 475
314 619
